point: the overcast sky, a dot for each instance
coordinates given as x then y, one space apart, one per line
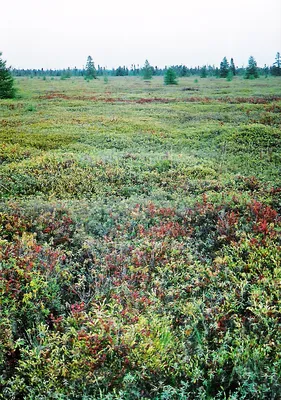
62 33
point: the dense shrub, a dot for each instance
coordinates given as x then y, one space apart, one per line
151 317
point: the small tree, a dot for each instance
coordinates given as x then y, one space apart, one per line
203 72
224 68
170 77
278 60
184 70
66 74
7 90
91 72
251 70
276 68
232 67
265 70
147 71
229 76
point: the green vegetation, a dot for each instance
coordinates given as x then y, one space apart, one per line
140 239
232 67
147 71
7 90
224 68
203 72
170 77
90 72
276 68
252 70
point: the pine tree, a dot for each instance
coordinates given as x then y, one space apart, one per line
147 71
251 70
91 72
7 90
232 67
203 72
170 77
265 70
184 71
224 68
278 60
229 76
276 68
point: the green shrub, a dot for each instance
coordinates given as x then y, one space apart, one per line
170 77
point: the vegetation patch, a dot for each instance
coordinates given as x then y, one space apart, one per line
140 239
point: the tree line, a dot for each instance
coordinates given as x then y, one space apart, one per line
226 70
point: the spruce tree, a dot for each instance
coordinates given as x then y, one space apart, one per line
276 68
265 70
232 67
7 90
184 71
91 72
170 77
278 60
203 72
147 71
229 76
224 68
252 69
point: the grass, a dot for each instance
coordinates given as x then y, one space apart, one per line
140 239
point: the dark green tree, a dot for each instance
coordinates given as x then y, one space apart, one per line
224 68
7 90
232 67
203 72
184 71
147 71
122 71
91 72
170 77
216 72
252 69
276 68
265 70
211 70
278 60
229 75
66 74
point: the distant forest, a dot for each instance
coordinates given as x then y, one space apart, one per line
204 71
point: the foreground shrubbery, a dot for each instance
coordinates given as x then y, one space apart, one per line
139 311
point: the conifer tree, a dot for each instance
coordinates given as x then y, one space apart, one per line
147 71
276 68
170 77
278 60
232 67
265 70
224 68
91 72
251 70
203 72
7 90
184 71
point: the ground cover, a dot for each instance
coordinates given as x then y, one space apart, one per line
140 239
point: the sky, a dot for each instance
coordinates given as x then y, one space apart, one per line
61 34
